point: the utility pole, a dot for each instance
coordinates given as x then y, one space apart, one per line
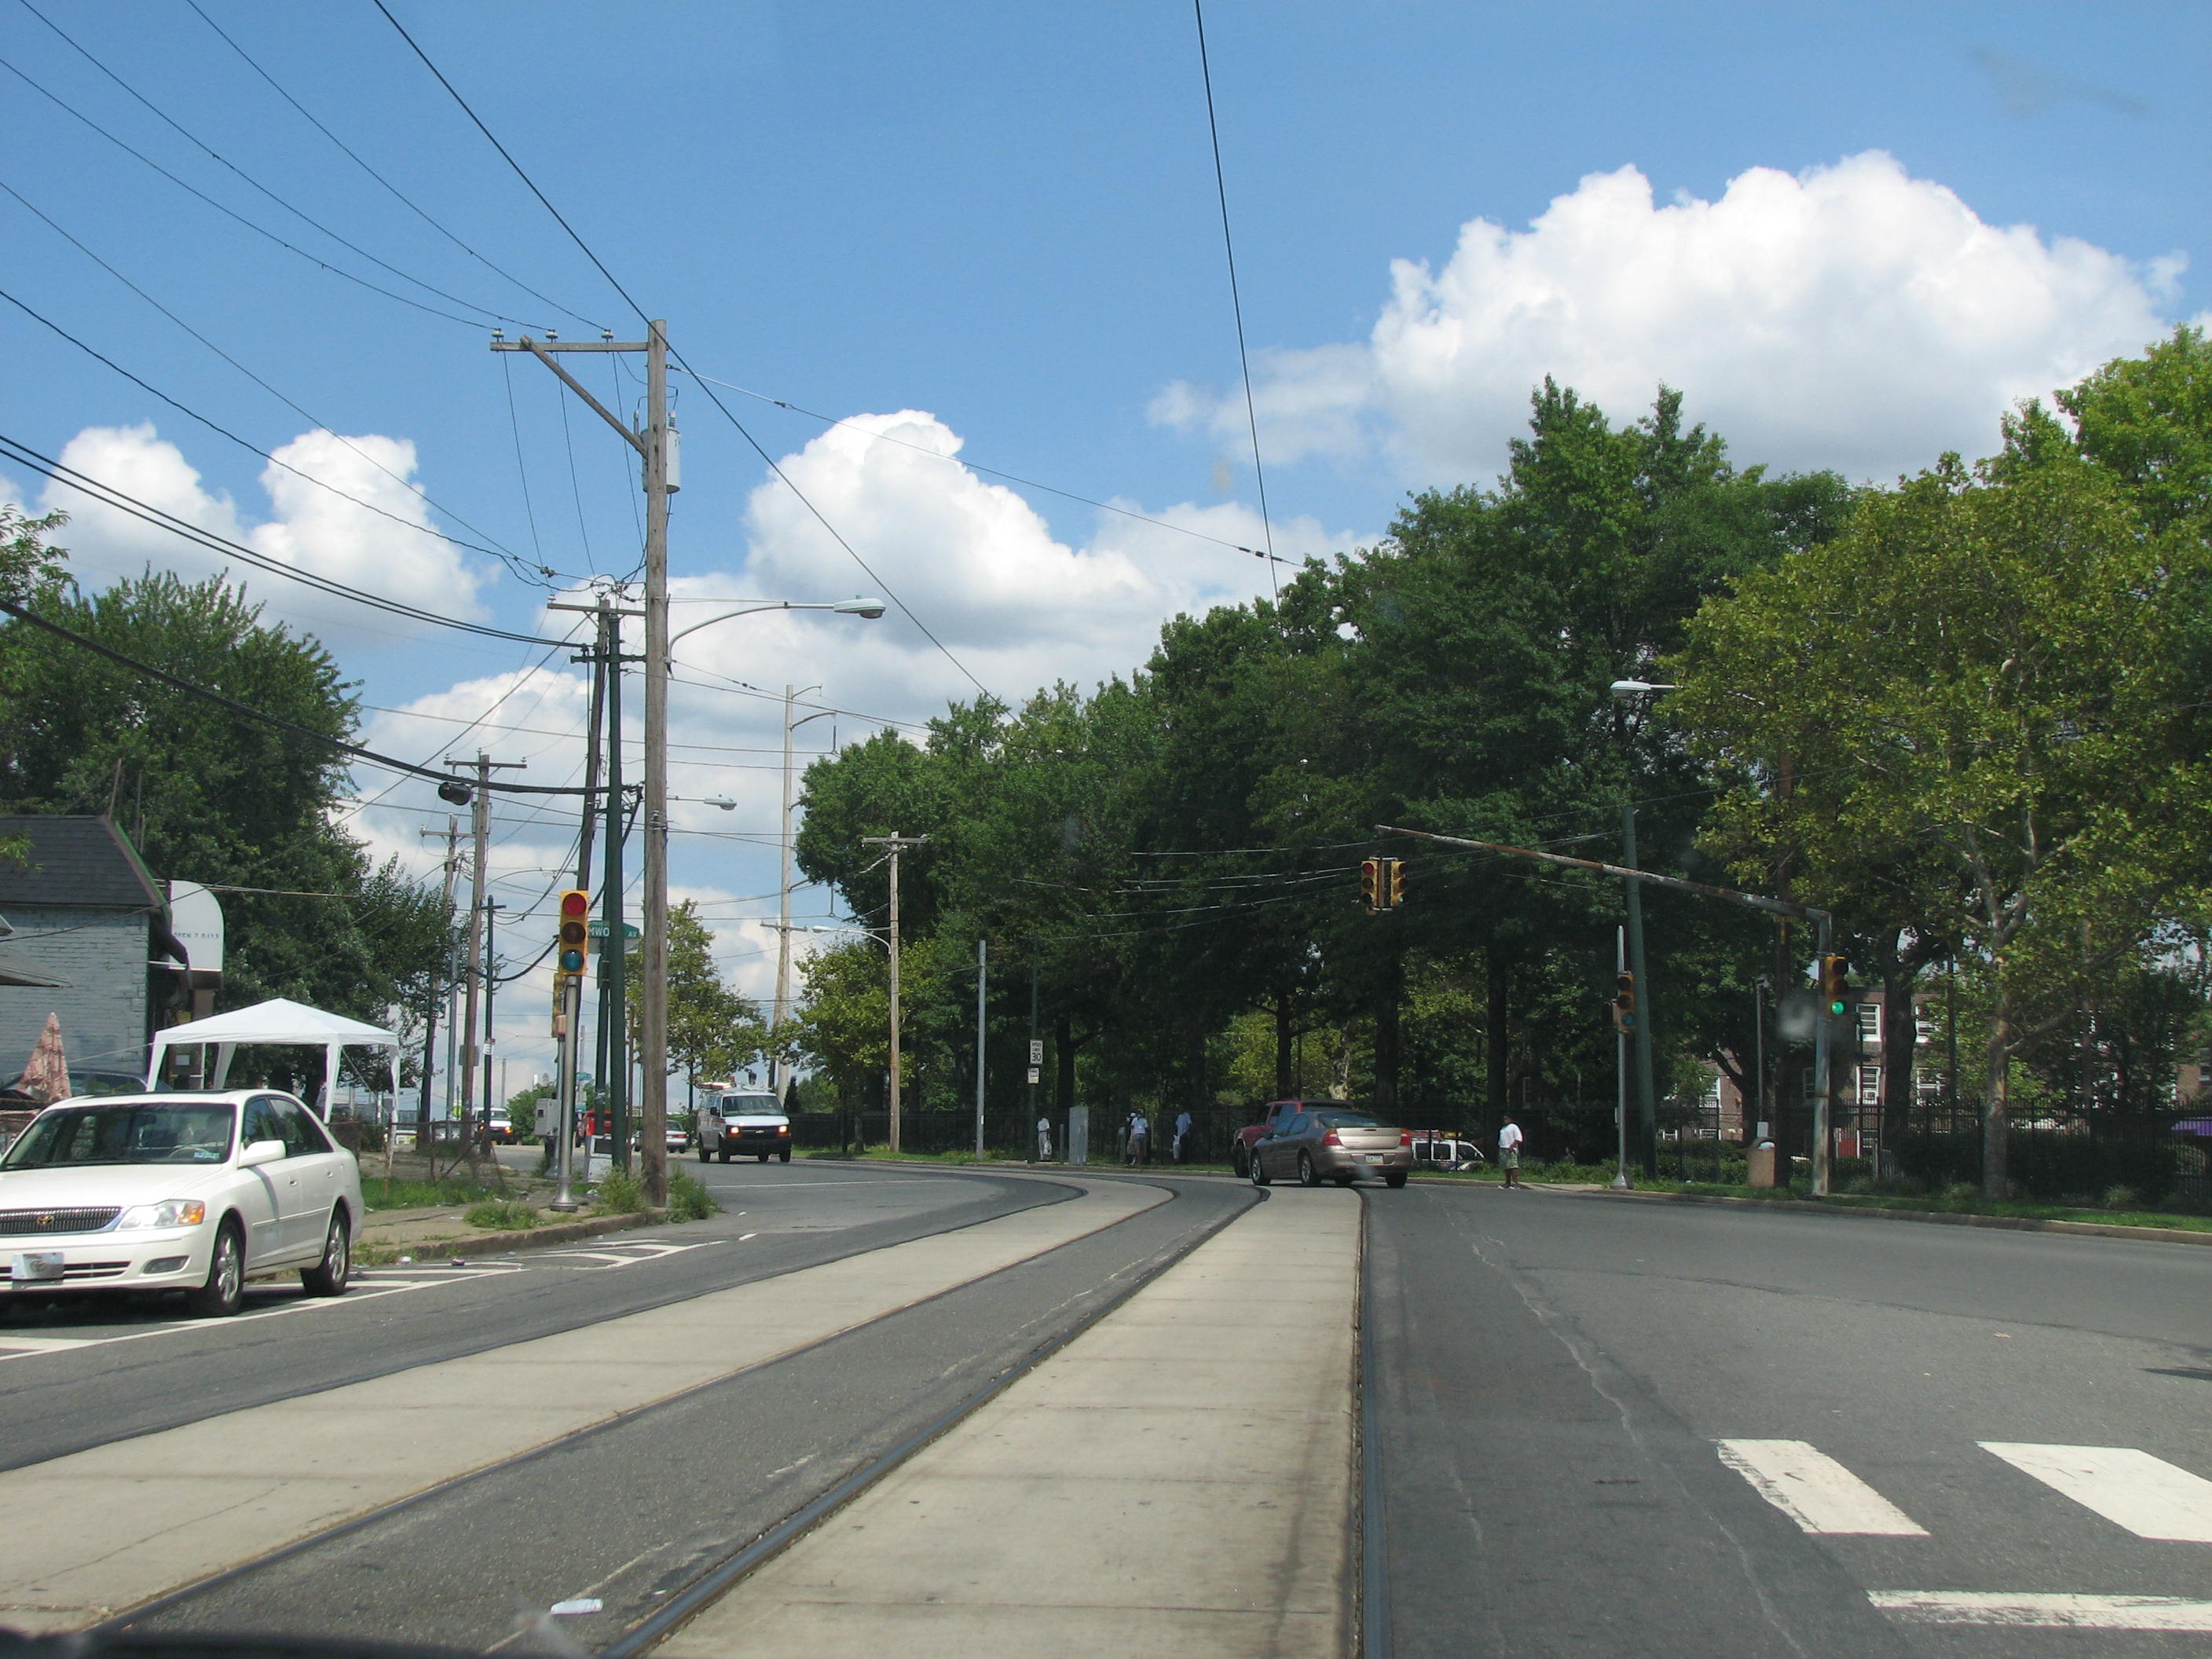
479 841
1620 1055
492 1036
430 1020
982 982
782 1006
898 844
1646 1108
656 445
1036 1045
611 1063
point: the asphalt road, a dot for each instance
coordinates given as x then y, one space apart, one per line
79 1373
632 1511
1555 1376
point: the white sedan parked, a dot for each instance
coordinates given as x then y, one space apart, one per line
190 1192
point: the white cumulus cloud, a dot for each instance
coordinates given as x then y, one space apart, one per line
382 540
1850 317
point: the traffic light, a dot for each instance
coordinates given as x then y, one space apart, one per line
1394 888
575 931
1833 992
1624 1001
1370 882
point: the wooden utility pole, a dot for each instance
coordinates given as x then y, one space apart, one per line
430 1022
656 445
479 842
897 844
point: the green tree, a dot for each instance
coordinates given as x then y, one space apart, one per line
1986 680
215 797
712 1030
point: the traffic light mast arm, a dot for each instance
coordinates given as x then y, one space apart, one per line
1681 884
1823 922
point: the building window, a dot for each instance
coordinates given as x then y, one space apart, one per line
1869 1085
1928 1085
1871 1022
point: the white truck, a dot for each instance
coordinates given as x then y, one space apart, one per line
740 1123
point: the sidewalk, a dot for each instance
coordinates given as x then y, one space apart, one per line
1176 1482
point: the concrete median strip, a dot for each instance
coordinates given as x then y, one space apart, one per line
97 1532
1176 1482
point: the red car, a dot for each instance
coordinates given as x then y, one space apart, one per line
1240 1152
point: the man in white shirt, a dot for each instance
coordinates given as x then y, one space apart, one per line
1509 1151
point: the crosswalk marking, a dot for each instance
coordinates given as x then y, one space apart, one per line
1816 1491
2045 1612
2146 1495
627 1255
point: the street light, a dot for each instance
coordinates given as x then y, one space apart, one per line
1637 688
869 609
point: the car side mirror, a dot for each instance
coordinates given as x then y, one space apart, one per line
258 1153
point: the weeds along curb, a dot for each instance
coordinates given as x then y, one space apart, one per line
2002 1222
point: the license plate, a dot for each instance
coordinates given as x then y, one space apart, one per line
1372 1158
34 1265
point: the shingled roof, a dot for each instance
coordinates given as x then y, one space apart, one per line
76 861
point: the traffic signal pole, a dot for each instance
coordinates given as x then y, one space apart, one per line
1620 1055
1647 1136
1823 1141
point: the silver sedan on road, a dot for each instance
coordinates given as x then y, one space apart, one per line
189 1192
1333 1143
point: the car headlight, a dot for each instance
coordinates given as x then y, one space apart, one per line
170 1213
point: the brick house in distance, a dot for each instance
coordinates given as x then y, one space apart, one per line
91 943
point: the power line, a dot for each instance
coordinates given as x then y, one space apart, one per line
726 412
513 561
993 471
108 496
24 614
208 150
1235 301
231 213
304 413
408 202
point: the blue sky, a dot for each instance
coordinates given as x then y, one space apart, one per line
1002 219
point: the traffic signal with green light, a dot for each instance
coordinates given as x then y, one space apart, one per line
1624 1001
1834 993
1394 885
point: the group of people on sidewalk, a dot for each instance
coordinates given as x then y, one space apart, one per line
1137 1138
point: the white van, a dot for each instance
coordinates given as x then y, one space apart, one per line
739 1123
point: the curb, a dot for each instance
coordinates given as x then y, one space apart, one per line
523 1239
2002 1222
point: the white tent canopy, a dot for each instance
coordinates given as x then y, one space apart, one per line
282 1020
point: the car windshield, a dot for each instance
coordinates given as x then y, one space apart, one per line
1346 1120
143 1132
751 1106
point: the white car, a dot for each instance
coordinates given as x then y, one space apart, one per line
190 1192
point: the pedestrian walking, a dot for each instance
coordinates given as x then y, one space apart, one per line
1044 1140
1509 1151
1140 1137
1182 1136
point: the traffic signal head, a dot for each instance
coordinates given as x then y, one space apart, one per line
1624 1000
1834 970
1370 882
1394 893
575 930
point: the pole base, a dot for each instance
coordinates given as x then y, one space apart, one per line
1622 1183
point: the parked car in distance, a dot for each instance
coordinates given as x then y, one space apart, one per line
1333 1143
503 1128
679 1137
1240 1150
1434 1149
741 1123
195 1192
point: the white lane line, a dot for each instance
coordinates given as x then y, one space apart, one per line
2149 1497
365 1290
1816 1491
2038 1611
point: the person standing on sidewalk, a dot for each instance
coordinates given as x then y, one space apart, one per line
1509 1151
1044 1140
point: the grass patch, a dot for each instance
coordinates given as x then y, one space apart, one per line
618 1193
403 1194
689 1199
504 1214
1957 1200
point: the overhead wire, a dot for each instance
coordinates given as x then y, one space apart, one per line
108 496
23 613
972 465
1236 300
513 562
406 200
305 414
304 217
729 414
521 471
